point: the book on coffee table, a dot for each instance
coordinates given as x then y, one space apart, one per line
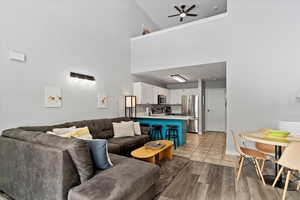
154 145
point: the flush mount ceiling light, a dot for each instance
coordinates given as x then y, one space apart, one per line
82 76
179 78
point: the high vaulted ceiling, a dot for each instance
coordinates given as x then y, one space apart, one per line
159 10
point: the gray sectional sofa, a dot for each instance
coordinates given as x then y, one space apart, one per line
38 166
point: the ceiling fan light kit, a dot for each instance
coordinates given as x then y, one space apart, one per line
184 13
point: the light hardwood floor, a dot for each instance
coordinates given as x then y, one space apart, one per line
211 176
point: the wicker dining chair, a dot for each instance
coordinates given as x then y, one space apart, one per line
290 160
251 154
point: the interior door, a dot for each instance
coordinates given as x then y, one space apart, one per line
215 109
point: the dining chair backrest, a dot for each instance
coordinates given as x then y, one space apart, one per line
236 143
265 148
290 157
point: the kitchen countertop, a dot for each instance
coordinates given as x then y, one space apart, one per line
165 117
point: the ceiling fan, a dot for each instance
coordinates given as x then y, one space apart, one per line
184 13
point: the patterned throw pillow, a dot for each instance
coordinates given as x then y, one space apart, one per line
81 133
63 131
136 127
123 129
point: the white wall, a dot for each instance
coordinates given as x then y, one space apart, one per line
89 37
184 45
259 40
215 84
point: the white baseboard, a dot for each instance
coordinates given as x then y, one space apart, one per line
232 153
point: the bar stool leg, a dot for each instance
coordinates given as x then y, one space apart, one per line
175 139
177 135
160 134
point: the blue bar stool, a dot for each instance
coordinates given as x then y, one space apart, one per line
156 132
146 126
172 134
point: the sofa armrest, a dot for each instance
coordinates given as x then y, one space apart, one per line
128 179
34 171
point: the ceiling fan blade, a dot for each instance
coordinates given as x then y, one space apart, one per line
181 19
174 15
191 8
177 8
192 15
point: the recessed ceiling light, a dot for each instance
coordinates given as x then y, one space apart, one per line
179 78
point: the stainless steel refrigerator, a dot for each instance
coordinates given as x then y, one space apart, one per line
190 107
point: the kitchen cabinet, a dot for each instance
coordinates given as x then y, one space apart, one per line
155 93
143 93
163 91
176 94
147 94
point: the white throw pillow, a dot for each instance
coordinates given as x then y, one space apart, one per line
62 131
136 127
123 129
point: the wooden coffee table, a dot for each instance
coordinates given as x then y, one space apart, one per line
149 155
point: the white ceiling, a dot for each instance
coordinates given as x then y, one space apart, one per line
214 71
159 10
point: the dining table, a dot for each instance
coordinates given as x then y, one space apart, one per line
279 143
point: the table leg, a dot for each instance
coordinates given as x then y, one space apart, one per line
150 160
278 152
167 153
271 178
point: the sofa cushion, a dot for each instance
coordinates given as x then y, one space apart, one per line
81 156
128 179
130 142
102 129
114 148
78 149
100 125
43 128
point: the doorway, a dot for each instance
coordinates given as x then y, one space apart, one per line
215 106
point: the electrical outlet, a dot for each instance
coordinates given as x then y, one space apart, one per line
17 56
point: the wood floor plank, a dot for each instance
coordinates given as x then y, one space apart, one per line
204 173
199 191
255 188
242 189
187 186
228 184
215 179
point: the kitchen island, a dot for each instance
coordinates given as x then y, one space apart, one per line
165 120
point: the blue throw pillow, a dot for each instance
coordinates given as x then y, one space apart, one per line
99 151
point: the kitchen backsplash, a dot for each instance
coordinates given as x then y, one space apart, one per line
158 109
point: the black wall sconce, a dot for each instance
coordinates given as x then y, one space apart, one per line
82 76
130 106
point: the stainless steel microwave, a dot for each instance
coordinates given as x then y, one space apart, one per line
161 99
